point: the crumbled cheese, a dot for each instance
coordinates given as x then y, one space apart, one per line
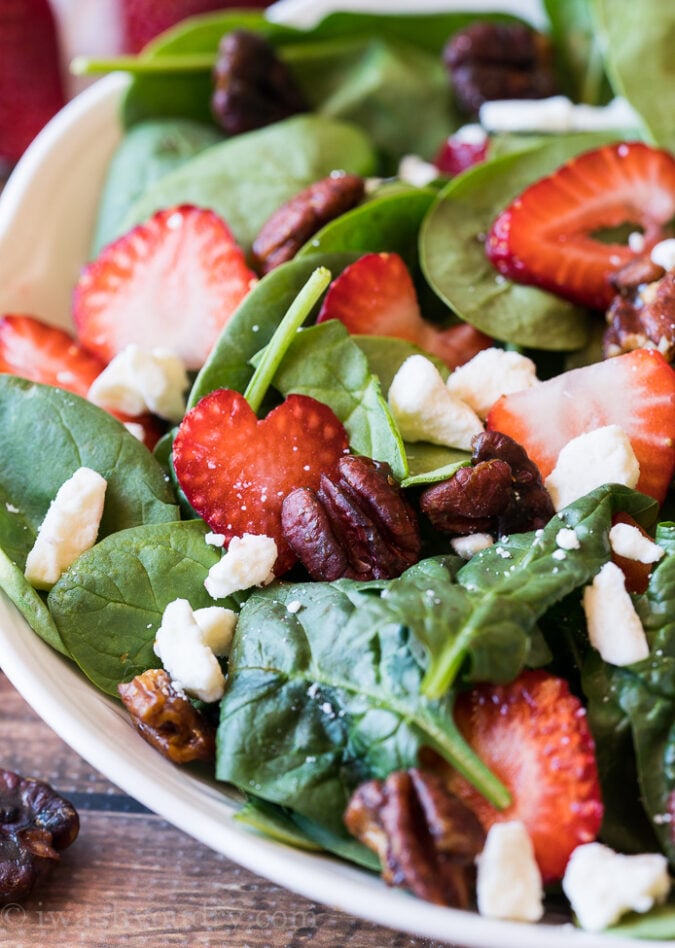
508 884
69 528
488 375
215 539
555 114
136 429
425 410
470 134
614 627
627 541
602 456
416 171
567 539
468 546
187 644
663 254
137 381
603 885
249 561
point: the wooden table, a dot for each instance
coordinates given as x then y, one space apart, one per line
132 879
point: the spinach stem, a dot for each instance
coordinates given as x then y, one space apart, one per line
140 65
278 345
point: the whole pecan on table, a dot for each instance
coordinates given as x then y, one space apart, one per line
358 525
642 314
501 492
36 824
427 840
253 87
166 719
296 221
488 61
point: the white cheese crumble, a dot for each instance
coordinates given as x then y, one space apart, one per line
508 884
188 643
603 885
468 546
602 456
471 134
249 561
488 375
425 410
663 254
614 627
215 539
627 541
138 380
556 114
567 539
136 429
416 171
69 528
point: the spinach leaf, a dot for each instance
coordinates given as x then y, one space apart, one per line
109 604
453 256
29 602
657 924
578 52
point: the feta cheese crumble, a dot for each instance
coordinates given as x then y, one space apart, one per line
490 374
425 410
556 114
69 528
602 456
614 626
508 884
603 885
138 380
468 546
663 254
627 541
249 561
566 539
416 171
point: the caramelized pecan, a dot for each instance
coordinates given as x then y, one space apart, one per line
358 525
296 221
252 86
642 315
426 838
166 719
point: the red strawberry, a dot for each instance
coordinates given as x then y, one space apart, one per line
456 154
142 20
172 282
376 296
547 236
31 83
635 391
533 734
236 470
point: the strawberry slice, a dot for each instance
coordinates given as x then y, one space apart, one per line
376 296
458 153
548 235
172 282
533 734
236 470
635 391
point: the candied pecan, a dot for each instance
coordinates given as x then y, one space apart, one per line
642 315
636 273
292 225
36 823
426 838
358 525
500 493
252 86
166 719
488 61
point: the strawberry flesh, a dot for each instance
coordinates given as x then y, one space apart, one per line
457 155
142 20
548 236
171 282
236 470
376 296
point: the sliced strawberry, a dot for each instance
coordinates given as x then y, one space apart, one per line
376 296
635 391
236 470
142 20
533 734
548 235
457 153
172 282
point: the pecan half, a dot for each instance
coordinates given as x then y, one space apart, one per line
358 525
252 86
166 719
500 493
642 314
426 838
296 221
488 61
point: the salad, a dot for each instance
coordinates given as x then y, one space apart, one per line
405 545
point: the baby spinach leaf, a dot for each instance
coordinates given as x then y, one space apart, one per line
578 53
109 604
29 602
658 924
246 178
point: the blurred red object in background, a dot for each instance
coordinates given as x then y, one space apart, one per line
142 20
31 80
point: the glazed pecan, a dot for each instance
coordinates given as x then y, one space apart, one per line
500 493
166 719
296 221
488 61
358 525
642 315
252 86
426 838
36 823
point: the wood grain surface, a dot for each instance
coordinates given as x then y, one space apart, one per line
132 879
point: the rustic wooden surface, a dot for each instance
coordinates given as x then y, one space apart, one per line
132 879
